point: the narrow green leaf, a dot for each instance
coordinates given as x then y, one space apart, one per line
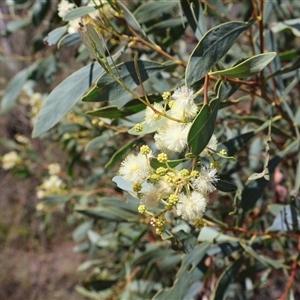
94 41
117 202
106 214
92 95
151 10
235 144
185 277
225 186
119 154
227 103
166 24
109 88
114 112
69 40
270 8
130 18
225 89
122 184
248 67
212 47
54 36
294 65
78 12
219 8
151 255
80 232
194 14
147 128
276 264
15 25
15 86
227 278
264 174
274 127
203 127
293 25
55 199
204 123
289 55
99 141
63 98
172 163
110 112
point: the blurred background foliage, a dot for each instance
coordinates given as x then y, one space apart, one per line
59 186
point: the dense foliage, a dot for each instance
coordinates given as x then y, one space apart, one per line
182 135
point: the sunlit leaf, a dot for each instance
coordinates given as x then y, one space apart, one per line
78 12
248 67
287 219
210 234
293 25
53 36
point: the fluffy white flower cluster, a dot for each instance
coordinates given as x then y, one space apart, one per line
172 132
159 186
64 6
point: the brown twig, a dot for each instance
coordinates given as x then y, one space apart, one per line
155 48
292 276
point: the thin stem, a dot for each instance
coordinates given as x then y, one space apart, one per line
261 39
205 99
155 48
274 104
261 27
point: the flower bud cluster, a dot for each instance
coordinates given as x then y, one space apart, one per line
10 160
52 185
160 187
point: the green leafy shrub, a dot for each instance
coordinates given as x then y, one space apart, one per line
191 108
